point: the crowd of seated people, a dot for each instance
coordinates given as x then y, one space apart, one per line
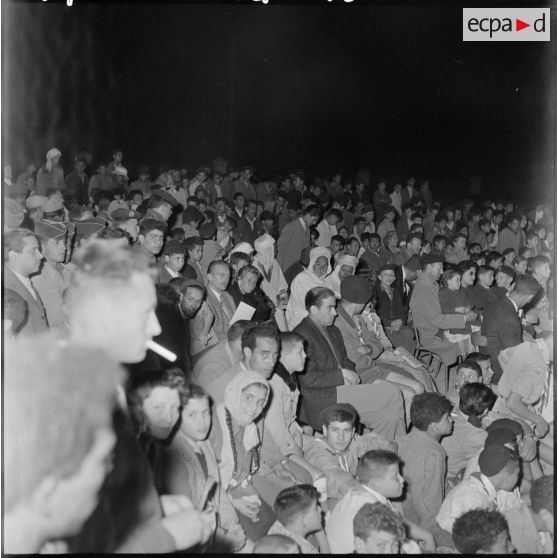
209 362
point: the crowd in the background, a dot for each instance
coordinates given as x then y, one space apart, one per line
214 363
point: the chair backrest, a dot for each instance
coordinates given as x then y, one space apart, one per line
415 328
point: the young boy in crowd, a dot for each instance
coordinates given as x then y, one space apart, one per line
467 372
505 278
173 261
482 296
482 532
485 362
337 453
424 460
194 247
494 260
380 480
377 530
299 516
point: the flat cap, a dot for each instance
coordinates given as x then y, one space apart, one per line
160 194
33 202
51 229
431 259
324 413
124 214
493 459
356 289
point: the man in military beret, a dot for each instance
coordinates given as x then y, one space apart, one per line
54 276
151 238
127 220
160 205
86 228
427 312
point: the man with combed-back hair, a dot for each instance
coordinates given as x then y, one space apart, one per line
111 306
58 436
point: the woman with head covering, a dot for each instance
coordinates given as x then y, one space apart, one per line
50 175
237 440
189 467
346 265
313 276
245 289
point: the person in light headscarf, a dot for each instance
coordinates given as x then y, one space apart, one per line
313 276
345 266
273 282
236 439
50 175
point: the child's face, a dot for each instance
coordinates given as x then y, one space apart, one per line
521 267
196 253
454 283
466 376
391 485
486 278
378 542
175 262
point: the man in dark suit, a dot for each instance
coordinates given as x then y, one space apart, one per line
327 365
405 276
248 227
409 192
22 258
501 324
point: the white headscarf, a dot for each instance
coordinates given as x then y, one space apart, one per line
265 251
316 253
51 154
332 280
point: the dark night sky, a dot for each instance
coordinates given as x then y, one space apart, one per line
324 87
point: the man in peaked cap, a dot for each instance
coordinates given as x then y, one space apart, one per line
127 220
160 205
427 312
54 276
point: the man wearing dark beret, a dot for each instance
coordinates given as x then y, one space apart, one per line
499 471
127 220
427 312
86 228
160 205
54 276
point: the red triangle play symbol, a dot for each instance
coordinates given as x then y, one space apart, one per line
519 25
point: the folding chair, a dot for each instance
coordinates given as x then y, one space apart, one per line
421 351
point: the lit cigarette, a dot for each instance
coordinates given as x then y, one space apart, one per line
161 351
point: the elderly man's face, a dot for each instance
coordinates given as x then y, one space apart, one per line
320 266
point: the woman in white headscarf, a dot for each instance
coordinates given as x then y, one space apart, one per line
236 439
273 282
50 175
346 265
313 276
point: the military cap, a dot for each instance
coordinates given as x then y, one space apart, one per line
124 214
33 202
160 194
356 289
88 227
51 229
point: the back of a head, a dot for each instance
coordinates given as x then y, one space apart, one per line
276 544
293 501
57 396
475 398
377 517
374 465
289 341
477 530
525 286
428 408
237 330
